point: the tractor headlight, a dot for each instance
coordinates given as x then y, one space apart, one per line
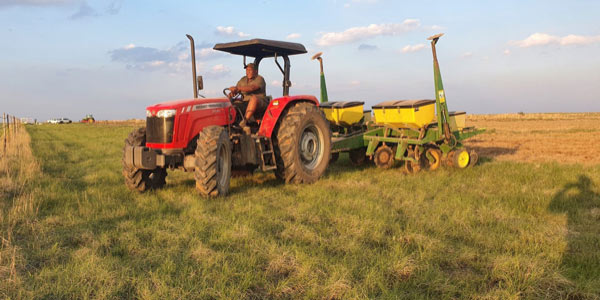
166 113
148 113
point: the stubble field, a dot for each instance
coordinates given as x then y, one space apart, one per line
524 223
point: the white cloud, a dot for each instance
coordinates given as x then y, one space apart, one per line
360 33
276 83
206 53
354 83
572 39
220 68
467 55
544 39
230 31
346 5
217 71
507 52
292 36
173 60
413 48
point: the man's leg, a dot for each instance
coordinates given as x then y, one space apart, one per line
252 105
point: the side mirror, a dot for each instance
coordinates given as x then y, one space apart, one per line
200 83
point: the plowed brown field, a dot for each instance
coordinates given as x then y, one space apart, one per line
565 138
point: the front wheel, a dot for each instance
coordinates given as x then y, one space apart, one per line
303 144
213 162
138 179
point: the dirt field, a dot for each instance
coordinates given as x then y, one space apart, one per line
565 138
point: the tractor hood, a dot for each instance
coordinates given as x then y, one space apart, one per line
191 103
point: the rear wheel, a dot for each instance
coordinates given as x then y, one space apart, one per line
384 157
358 156
213 162
303 144
432 159
473 159
138 179
459 158
412 167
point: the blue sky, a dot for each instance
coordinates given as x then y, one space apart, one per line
113 58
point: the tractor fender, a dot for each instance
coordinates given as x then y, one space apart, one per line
276 108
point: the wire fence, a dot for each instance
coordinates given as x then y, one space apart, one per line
10 130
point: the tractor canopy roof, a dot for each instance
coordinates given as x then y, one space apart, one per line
261 48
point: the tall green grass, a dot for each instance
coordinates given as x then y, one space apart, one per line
499 230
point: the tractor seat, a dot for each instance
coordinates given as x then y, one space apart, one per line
260 114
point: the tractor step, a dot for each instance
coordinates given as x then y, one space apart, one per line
267 155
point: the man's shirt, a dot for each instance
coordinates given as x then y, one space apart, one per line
258 81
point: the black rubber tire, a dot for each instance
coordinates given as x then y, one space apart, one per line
138 179
411 167
474 158
384 157
459 158
213 162
302 123
358 156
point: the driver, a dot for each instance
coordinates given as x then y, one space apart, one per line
252 87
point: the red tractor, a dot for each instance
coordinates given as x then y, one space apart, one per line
204 136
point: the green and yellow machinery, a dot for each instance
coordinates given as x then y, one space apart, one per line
88 119
421 133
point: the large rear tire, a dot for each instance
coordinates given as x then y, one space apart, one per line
302 144
138 179
213 162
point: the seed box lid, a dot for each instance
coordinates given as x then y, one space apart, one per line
403 103
329 104
348 104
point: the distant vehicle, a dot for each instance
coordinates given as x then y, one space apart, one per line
88 119
59 121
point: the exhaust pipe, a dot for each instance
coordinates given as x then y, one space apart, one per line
193 65
324 97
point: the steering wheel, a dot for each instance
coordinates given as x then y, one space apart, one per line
236 97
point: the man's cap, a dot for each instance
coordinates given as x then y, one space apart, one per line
251 65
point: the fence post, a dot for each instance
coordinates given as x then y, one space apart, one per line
8 133
4 131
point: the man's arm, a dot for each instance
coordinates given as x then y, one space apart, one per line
248 88
244 89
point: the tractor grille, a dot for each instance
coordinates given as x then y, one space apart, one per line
159 130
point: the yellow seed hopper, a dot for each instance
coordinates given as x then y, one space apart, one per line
343 113
405 113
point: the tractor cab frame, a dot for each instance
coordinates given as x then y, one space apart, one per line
260 49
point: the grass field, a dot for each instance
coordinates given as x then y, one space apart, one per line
500 230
